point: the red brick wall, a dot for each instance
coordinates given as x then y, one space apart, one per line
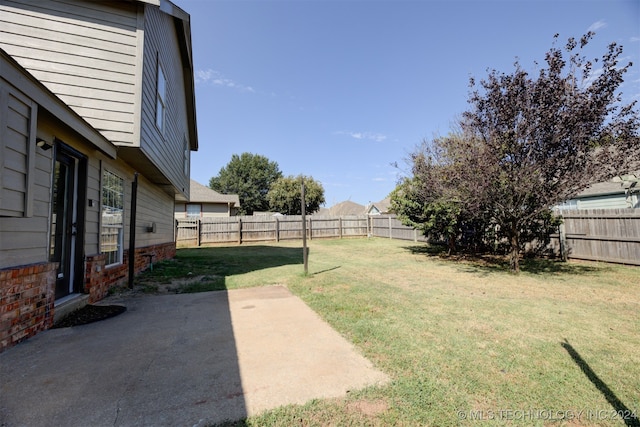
98 279
27 295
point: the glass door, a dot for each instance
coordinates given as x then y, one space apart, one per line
63 228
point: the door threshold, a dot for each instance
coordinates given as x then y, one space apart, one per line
68 304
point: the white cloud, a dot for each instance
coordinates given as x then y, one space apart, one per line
372 136
597 25
217 79
634 39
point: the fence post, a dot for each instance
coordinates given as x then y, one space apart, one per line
562 237
340 226
310 228
198 232
277 228
390 229
415 235
239 231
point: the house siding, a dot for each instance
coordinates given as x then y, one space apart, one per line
161 44
24 184
83 91
85 53
617 201
154 207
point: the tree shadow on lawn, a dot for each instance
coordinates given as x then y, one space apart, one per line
206 268
488 263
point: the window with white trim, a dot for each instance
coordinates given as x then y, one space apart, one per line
161 98
112 227
194 210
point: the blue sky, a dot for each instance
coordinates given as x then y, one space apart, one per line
341 89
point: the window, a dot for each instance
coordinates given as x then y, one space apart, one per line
568 204
193 210
186 157
112 231
161 98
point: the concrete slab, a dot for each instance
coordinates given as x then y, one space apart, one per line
192 359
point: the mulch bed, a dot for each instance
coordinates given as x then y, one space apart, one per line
89 314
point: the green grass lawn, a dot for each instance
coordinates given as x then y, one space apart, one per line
558 344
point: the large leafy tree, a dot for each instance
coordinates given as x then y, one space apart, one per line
424 207
249 176
530 142
285 195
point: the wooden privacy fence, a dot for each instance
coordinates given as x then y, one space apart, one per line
611 235
239 229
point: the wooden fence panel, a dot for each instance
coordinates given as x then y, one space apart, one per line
323 226
380 226
224 229
187 231
291 227
611 235
266 228
390 226
354 226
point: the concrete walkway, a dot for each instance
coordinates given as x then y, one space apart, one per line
180 360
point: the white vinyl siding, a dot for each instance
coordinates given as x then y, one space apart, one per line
86 53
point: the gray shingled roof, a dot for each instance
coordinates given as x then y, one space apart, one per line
203 194
604 188
347 208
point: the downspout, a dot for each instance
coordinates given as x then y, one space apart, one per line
132 229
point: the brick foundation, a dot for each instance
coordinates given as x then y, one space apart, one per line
99 279
27 294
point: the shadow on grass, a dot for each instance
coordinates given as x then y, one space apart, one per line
623 412
211 265
326 270
238 423
486 263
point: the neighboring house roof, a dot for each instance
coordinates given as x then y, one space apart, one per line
322 211
202 194
606 188
347 208
381 207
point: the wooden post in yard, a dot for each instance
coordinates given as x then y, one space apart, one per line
239 230
305 259
562 237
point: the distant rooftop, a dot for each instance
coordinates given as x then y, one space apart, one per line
203 194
